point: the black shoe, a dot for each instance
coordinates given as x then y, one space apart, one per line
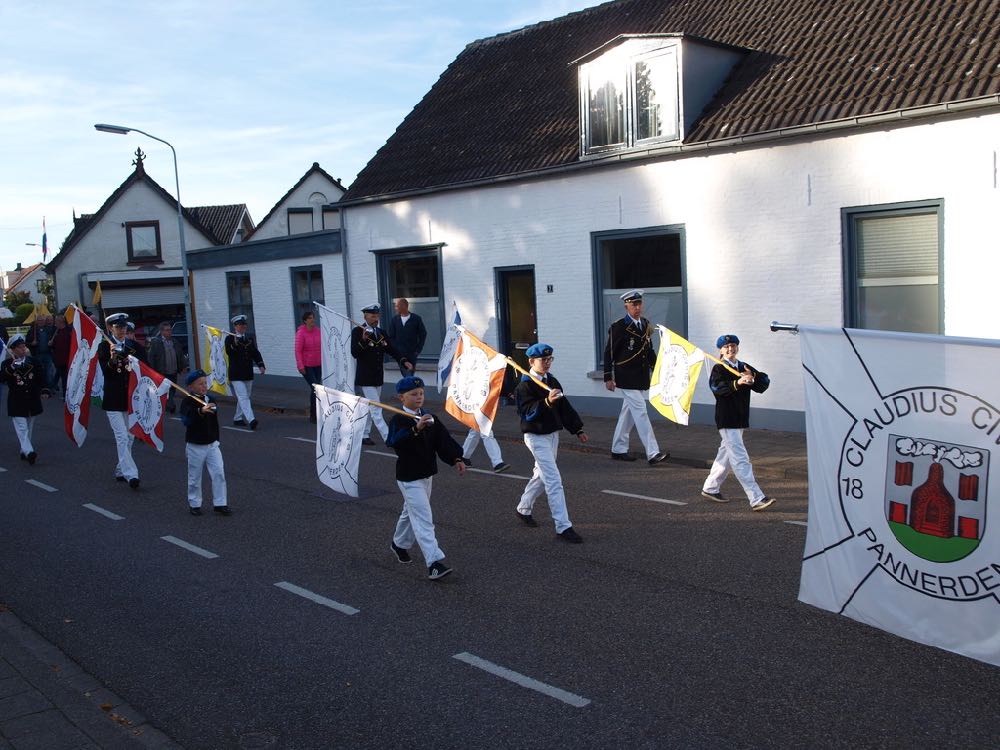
466 461
117 479
569 535
134 483
661 456
253 424
367 441
24 457
222 510
401 554
437 571
622 456
194 511
501 467
239 423
31 457
527 518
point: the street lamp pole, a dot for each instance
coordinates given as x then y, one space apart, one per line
121 130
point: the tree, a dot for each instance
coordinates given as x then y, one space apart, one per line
12 299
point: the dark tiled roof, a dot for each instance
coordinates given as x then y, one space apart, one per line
315 168
508 104
221 221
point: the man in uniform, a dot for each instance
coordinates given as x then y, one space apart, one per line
628 364
369 345
243 355
113 358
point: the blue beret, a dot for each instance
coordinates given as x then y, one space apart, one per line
409 383
728 338
539 350
194 375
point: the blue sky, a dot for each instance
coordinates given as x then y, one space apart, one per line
250 95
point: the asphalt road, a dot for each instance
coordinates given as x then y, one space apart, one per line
671 626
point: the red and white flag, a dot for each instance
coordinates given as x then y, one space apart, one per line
80 377
474 386
147 395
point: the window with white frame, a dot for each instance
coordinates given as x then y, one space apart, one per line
893 267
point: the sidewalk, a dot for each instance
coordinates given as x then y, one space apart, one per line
47 702
774 454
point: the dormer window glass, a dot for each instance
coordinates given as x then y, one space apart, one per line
655 79
605 104
143 241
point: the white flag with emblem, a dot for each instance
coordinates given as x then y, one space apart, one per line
448 347
340 428
904 468
216 361
338 364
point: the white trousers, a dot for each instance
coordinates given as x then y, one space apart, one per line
490 443
123 442
545 477
733 456
23 427
199 457
374 393
416 523
634 414
242 390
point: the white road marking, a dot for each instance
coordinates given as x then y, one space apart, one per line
505 475
106 513
797 523
235 429
523 681
2 469
189 547
41 485
307 594
176 419
304 440
381 453
644 497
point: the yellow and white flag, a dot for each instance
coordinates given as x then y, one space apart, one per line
216 361
675 375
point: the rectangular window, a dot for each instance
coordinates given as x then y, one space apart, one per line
647 259
240 295
307 287
656 97
300 220
331 218
143 239
605 104
415 275
893 267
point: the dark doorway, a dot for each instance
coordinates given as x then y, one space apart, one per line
516 315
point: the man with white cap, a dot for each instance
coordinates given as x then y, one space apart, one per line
243 355
628 365
369 345
24 377
113 359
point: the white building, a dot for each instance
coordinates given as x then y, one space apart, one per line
30 280
768 161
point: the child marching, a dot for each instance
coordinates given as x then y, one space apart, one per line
202 449
24 379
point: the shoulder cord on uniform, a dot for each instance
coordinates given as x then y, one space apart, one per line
647 335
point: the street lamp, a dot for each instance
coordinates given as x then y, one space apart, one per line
121 130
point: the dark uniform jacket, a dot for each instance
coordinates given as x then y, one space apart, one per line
202 429
732 403
408 339
243 355
369 349
629 355
24 381
417 452
538 415
114 365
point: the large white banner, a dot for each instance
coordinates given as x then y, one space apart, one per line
904 453
338 363
340 428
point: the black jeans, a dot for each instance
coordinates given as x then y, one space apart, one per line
313 376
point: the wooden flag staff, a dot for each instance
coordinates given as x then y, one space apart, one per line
379 404
509 361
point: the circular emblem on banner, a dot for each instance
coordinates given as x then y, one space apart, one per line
336 345
471 374
76 381
337 437
220 372
147 408
675 374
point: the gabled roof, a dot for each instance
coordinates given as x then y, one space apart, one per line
221 221
508 104
25 273
83 224
314 169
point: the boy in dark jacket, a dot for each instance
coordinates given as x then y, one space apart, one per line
543 413
418 444
732 416
202 449
25 380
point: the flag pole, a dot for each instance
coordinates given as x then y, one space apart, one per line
719 361
379 404
509 361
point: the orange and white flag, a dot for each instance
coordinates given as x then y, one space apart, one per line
474 386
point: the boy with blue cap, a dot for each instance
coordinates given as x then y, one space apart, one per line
202 445
732 416
543 413
418 444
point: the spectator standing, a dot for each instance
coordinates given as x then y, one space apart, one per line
40 343
60 353
407 334
166 356
309 357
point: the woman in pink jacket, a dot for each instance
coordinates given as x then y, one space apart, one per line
309 357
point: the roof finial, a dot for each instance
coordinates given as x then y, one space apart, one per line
139 158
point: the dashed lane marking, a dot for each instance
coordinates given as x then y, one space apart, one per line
644 497
797 523
520 679
105 513
313 597
41 485
301 440
189 547
235 429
